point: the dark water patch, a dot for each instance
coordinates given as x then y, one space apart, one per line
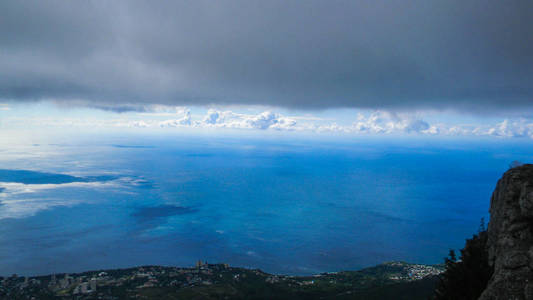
147 214
35 177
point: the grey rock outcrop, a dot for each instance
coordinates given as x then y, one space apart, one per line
510 236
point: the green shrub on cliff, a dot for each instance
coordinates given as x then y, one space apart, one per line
467 277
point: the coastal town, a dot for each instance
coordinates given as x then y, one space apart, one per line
206 281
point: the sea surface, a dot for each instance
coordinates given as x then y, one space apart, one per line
291 206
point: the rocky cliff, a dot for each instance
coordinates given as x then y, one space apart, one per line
510 236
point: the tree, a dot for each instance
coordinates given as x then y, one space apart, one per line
467 277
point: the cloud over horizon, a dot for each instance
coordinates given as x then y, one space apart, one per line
472 56
374 123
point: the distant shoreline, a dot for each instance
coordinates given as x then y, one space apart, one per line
217 280
217 264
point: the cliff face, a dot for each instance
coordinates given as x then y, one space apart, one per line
510 236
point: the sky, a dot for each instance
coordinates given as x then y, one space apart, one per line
96 88
431 68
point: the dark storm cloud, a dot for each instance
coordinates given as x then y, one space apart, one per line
466 55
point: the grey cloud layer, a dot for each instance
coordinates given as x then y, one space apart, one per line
466 55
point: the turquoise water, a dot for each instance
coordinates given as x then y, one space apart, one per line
294 207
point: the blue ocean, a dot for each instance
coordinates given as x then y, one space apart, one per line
291 206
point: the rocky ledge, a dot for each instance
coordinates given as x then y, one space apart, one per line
510 236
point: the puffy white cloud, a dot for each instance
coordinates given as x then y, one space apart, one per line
457 130
433 130
518 128
271 120
387 122
377 122
332 127
220 118
509 129
139 124
373 123
229 119
184 120
414 125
